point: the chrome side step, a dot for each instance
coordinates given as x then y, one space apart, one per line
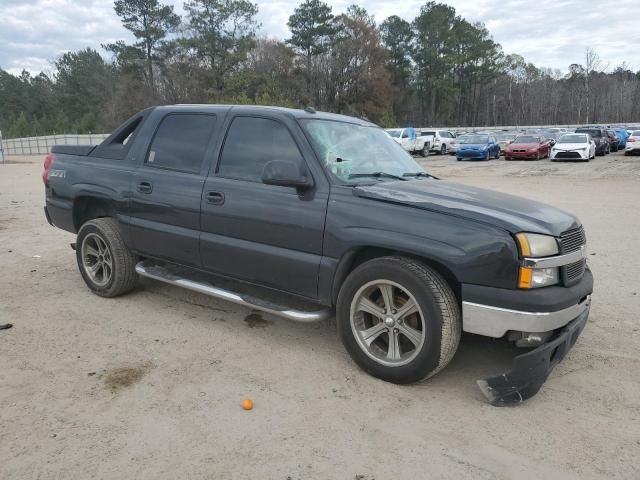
147 268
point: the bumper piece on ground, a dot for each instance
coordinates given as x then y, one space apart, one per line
530 370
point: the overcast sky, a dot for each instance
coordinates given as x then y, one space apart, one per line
548 33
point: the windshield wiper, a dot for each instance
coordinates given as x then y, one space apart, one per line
376 175
420 174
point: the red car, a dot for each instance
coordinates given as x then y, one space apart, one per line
528 147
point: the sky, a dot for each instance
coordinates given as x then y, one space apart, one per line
548 33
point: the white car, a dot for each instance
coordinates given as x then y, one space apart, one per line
410 139
574 146
633 143
442 141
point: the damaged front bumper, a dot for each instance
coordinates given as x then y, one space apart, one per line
530 370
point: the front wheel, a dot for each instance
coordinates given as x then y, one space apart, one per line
398 319
105 263
443 149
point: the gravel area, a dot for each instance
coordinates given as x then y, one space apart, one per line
150 385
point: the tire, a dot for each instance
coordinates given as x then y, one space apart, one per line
538 156
121 276
438 329
443 149
425 151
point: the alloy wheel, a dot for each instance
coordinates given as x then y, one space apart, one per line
387 322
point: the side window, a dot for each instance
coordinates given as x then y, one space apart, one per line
251 143
181 142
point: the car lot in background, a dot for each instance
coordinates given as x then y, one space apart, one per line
574 146
528 147
633 143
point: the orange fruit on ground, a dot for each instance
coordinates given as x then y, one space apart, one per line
247 404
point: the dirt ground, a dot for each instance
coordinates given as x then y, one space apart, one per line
150 385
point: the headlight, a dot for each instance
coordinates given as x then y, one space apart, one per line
534 245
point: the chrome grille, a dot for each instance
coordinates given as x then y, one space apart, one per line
570 241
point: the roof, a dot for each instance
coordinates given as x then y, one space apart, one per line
293 112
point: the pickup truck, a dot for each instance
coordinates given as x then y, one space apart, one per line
442 141
307 215
411 140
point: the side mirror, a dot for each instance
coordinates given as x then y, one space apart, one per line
286 173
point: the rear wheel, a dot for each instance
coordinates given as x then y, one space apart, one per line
398 319
443 149
425 151
105 263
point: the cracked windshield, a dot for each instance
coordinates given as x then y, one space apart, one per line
357 154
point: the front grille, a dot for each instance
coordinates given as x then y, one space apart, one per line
570 241
568 155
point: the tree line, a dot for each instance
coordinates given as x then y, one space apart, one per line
438 69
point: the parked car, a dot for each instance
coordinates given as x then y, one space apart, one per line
528 147
442 141
600 137
574 146
477 147
314 212
614 140
409 139
622 136
504 140
633 143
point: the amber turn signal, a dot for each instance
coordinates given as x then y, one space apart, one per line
523 244
525 276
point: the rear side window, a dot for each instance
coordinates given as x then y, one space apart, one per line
251 143
181 142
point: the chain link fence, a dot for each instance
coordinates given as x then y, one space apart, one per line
42 145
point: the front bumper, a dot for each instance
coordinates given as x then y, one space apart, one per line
570 155
521 155
472 154
530 370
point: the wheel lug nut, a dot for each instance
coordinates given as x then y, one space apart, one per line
393 310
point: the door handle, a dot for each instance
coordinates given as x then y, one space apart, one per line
144 187
215 198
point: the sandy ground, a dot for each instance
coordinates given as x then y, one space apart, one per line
149 385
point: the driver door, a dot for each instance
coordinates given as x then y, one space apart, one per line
264 234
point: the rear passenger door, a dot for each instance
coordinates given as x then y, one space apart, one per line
167 188
264 234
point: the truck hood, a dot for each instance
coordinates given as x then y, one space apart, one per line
514 214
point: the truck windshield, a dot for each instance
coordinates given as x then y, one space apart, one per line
356 154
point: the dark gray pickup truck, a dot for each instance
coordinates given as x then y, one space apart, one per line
303 214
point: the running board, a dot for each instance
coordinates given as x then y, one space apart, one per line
149 269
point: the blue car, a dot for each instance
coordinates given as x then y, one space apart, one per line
477 147
622 136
